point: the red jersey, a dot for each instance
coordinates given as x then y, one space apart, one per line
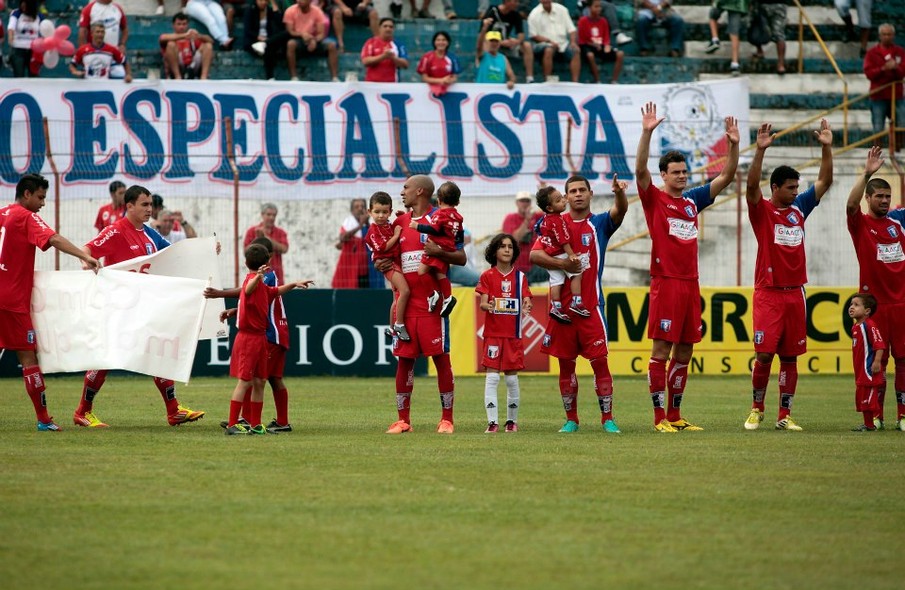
97 61
438 67
444 226
377 238
251 315
276 234
185 49
21 231
593 31
107 215
121 241
554 233
880 246
277 325
385 70
506 291
875 69
673 226
780 241
111 14
866 344
411 248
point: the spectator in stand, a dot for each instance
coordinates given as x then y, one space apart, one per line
113 17
507 19
439 68
277 236
211 15
164 227
23 26
383 56
864 8
885 63
554 36
114 210
594 42
96 60
178 221
493 66
265 35
612 19
354 11
308 37
659 13
187 54
161 9
775 11
352 265
520 225
423 12
736 13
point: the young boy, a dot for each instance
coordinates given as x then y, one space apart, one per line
445 230
383 239
554 236
594 42
505 297
867 355
248 362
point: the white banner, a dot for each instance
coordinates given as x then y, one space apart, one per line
312 139
117 320
191 259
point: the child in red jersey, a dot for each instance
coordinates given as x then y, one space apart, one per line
867 356
555 236
506 298
445 229
383 239
248 362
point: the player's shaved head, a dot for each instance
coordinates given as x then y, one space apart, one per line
424 183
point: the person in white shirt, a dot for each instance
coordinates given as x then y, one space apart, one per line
555 37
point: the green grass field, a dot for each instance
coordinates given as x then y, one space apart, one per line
339 504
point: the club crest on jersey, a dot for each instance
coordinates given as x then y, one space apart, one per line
585 239
792 217
149 249
506 286
759 337
665 325
689 210
493 352
891 230
547 340
30 337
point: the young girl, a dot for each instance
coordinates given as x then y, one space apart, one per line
445 230
867 353
505 297
383 239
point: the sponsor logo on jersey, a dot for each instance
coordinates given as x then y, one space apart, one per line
758 337
107 235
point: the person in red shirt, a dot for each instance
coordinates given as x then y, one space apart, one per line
594 43
99 60
879 239
114 210
128 238
277 236
186 52
885 63
505 297
555 240
671 213
22 231
445 226
439 68
383 240
248 362
383 56
428 331
780 271
867 354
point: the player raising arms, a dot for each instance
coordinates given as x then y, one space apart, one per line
128 238
22 231
780 272
674 322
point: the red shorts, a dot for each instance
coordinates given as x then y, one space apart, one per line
675 310
780 321
430 261
17 331
276 360
890 320
504 354
388 275
430 337
867 398
249 357
584 336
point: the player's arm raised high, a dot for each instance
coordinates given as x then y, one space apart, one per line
728 173
765 137
873 163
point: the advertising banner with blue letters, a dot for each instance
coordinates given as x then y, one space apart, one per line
303 140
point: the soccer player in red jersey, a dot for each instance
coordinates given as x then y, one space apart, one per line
383 239
588 337
446 228
249 360
867 354
780 272
506 298
126 239
674 320
22 231
879 239
428 331
114 210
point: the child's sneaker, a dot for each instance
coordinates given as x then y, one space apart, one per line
511 426
557 314
864 428
492 427
432 301
400 331
579 309
448 305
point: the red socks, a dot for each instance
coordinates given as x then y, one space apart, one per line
603 385
656 381
760 377
94 380
446 384
788 381
675 384
34 387
405 381
167 389
281 404
568 389
234 409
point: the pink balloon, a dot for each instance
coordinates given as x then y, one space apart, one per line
51 43
38 45
51 59
66 49
62 33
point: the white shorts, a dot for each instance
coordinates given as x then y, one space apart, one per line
558 277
